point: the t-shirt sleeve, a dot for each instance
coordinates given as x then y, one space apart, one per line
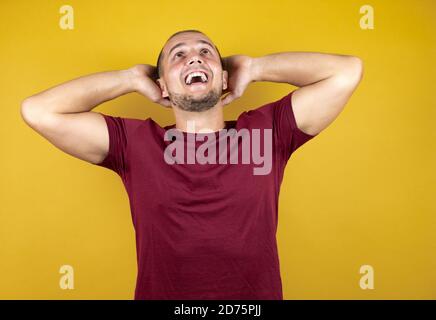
118 136
288 137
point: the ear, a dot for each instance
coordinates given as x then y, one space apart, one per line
225 79
163 87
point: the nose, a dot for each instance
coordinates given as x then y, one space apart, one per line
195 59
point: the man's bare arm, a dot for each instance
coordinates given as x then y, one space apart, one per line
327 82
63 115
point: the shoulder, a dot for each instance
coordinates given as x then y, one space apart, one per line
267 112
126 125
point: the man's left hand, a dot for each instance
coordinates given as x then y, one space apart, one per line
240 75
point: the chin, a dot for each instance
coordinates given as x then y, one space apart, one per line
201 100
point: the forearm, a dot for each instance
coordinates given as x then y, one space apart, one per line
300 68
82 94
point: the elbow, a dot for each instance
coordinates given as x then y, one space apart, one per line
356 68
351 72
29 112
25 110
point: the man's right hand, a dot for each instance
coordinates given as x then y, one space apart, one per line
143 78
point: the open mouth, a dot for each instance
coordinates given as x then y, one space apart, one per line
196 78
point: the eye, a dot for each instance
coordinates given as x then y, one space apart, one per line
206 50
181 52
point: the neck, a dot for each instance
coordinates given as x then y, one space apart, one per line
206 121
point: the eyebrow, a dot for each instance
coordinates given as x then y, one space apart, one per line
183 43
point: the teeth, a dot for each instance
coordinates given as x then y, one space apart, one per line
196 74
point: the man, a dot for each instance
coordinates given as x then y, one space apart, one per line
203 231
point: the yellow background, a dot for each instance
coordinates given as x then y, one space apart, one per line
362 192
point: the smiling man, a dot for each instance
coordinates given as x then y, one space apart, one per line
194 87
203 230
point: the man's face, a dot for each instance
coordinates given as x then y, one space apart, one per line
197 53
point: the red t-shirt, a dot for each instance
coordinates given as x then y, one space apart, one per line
204 231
